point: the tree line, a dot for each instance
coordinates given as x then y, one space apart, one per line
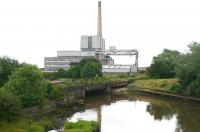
183 66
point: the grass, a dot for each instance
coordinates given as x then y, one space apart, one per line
92 81
26 124
164 85
22 125
82 126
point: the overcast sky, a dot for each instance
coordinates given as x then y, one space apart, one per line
31 30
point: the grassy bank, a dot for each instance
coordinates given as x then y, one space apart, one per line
23 125
82 126
163 85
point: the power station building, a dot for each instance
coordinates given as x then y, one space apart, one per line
92 46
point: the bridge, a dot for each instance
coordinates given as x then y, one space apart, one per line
82 90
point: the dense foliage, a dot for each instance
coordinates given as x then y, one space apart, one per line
28 84
55 92
50 75
91 69
10 105
164 64
7 66
73 72
188 71
26 87
87 68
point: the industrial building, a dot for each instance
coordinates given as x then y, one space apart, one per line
92 46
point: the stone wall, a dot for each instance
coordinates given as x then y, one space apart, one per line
51 106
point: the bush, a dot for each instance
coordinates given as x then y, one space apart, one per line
61 73
55 91
164 64
188 71
7 66
10 105
91 69
74 72
50 75
28 84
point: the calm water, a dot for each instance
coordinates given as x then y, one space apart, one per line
136 113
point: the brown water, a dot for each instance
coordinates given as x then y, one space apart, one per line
139 113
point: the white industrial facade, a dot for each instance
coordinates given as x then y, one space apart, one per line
92 46
76 53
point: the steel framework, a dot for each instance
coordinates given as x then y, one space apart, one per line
123 52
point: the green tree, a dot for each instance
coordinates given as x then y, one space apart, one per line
50 75
10 105
28 84
61 73
91 69
188 71
164 64
86 60
74 72
7 66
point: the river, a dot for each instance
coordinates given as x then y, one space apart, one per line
140 113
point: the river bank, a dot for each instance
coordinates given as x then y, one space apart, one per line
160 87
39 118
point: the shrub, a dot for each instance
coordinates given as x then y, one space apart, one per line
55 91
91 69
28 84
164 64
10 105
7 66
50 75
74 72
188 71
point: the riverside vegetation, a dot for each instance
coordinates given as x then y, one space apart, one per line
24 85
173 72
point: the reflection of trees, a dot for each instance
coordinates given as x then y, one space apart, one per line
188 117
160 110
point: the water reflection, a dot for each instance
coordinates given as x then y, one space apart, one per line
89 114
160 110
122 113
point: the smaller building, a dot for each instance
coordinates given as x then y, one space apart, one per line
108 69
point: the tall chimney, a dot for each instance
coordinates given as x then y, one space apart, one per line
99 24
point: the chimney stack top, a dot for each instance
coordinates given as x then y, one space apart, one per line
99 4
